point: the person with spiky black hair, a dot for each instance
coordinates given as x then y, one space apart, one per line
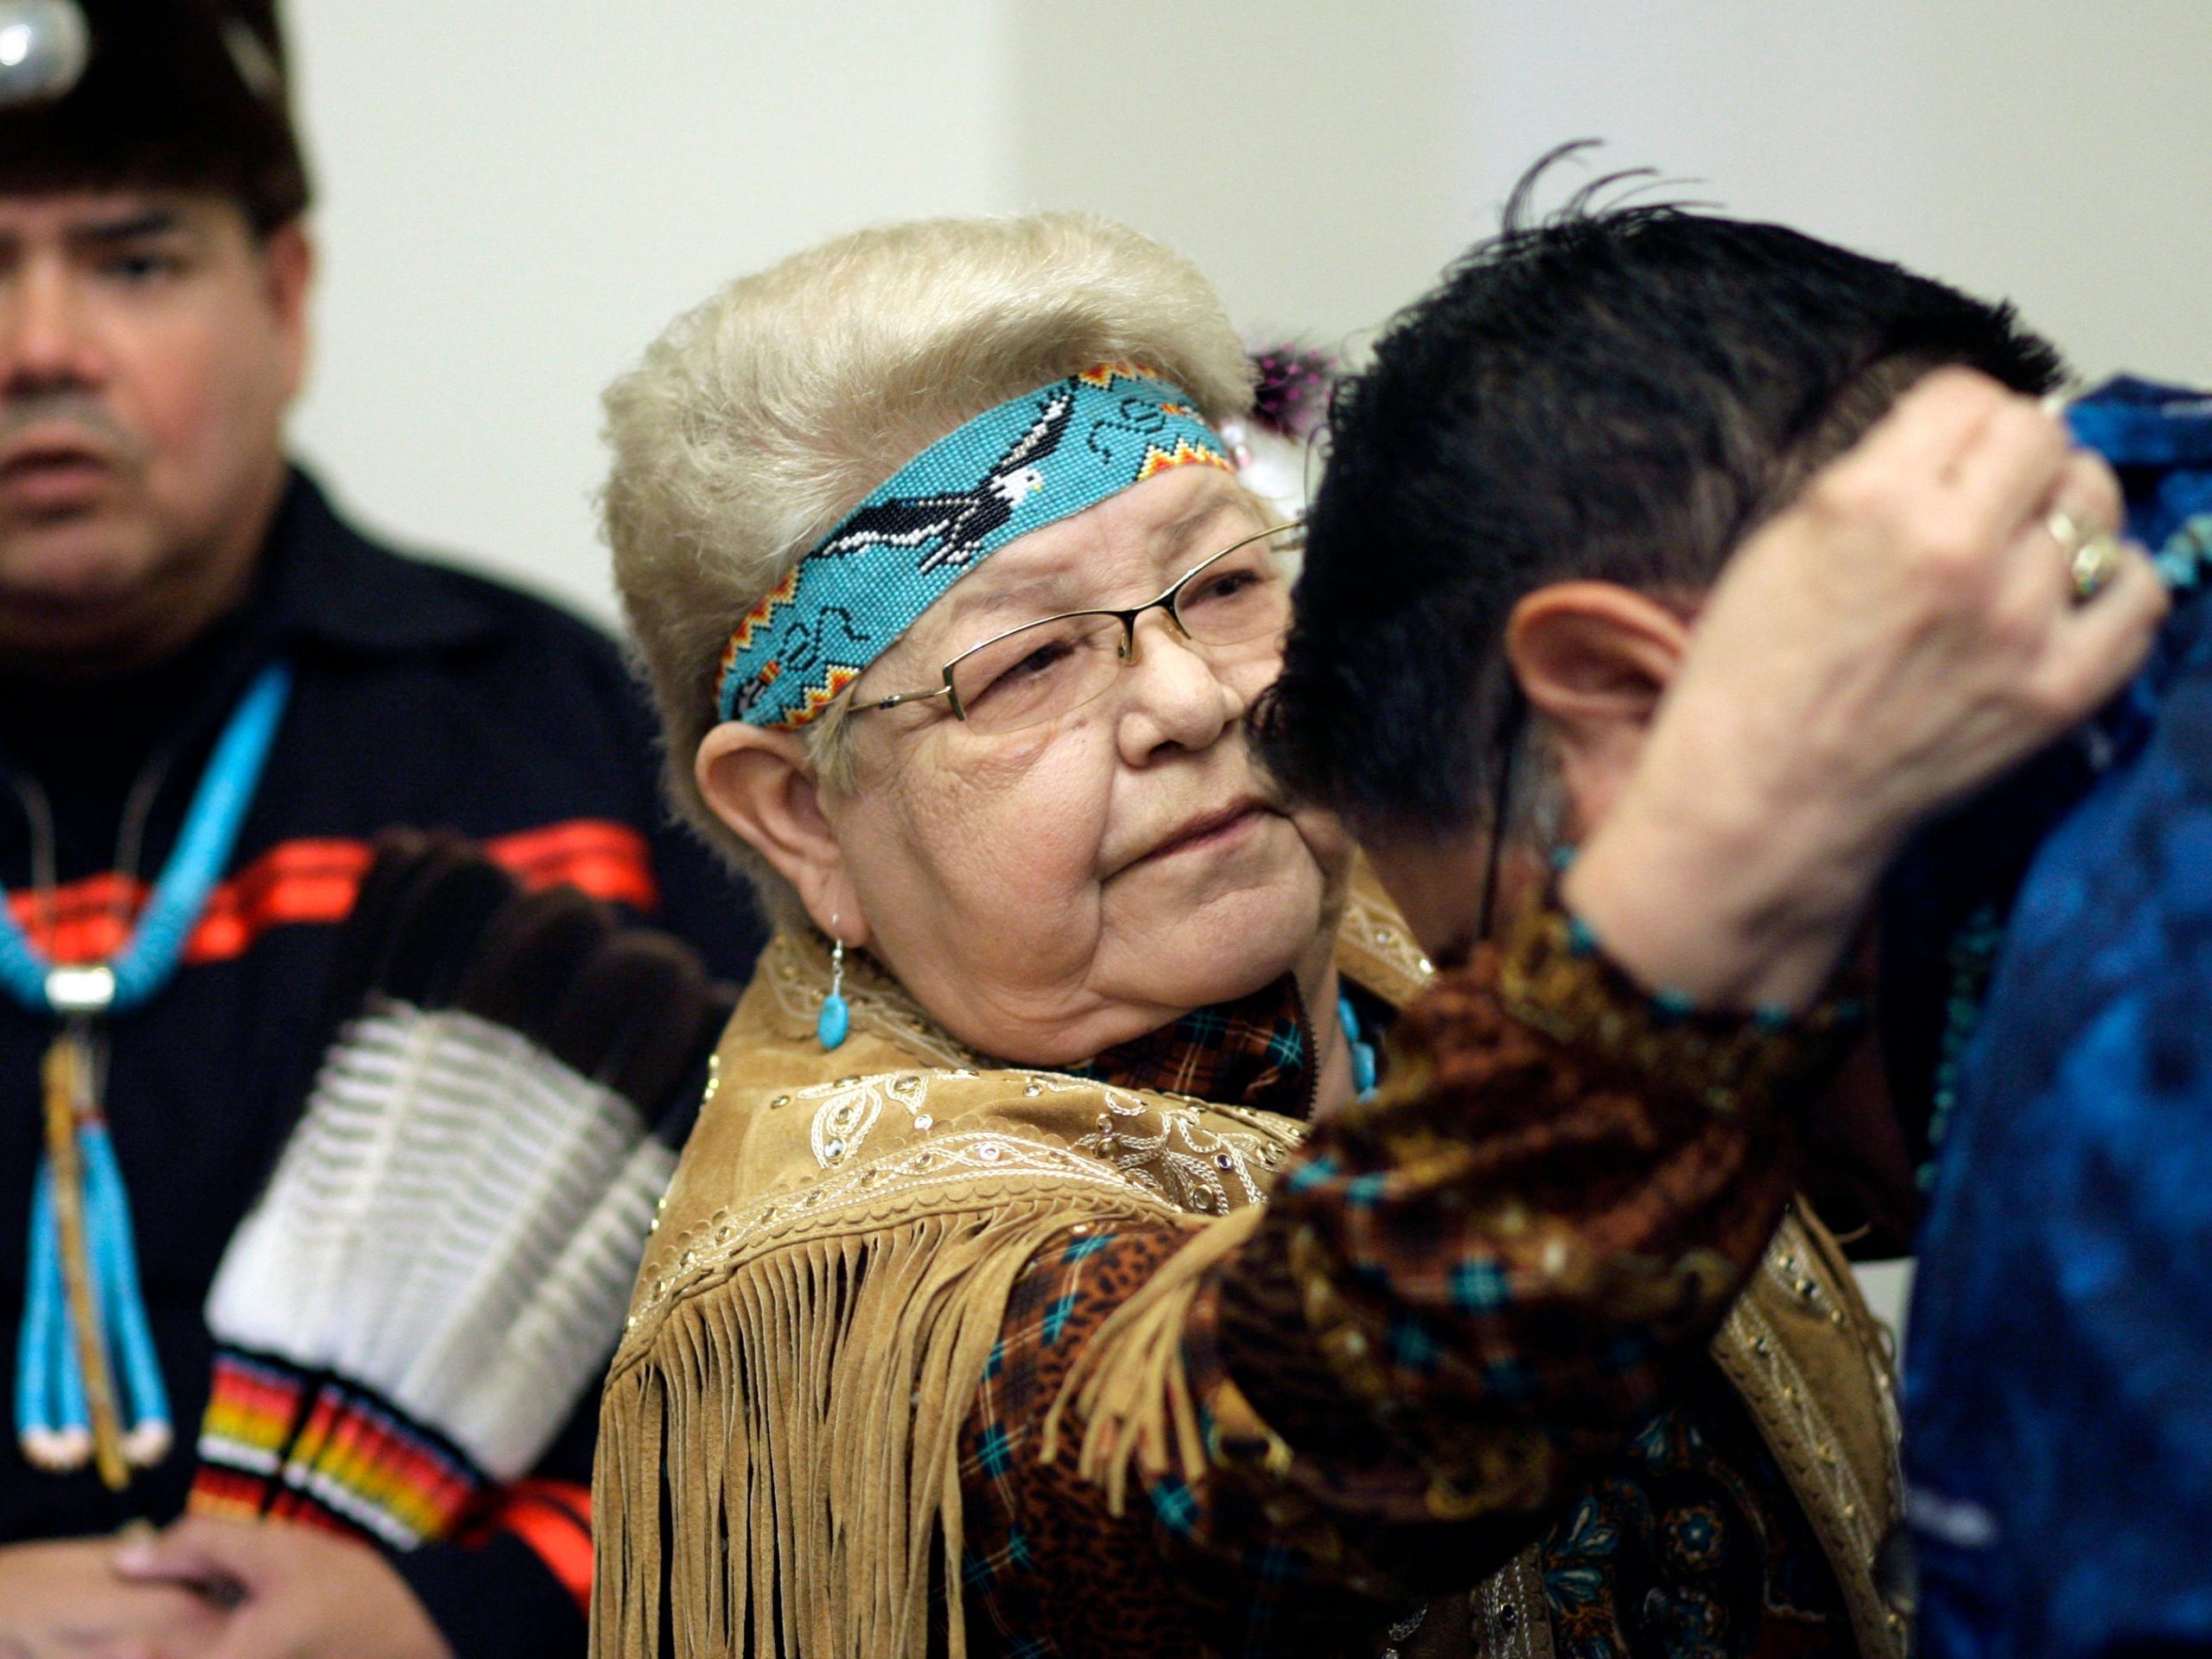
1617 396
215 693
1576 544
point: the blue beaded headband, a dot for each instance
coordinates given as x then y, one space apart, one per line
1032 461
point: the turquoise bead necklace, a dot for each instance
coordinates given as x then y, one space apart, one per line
88 1382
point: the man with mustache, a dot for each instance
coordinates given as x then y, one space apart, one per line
172 591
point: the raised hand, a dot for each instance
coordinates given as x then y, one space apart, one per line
1903 634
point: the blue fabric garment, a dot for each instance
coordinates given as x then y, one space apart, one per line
2058 1380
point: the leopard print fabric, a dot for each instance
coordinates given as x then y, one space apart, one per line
1049 1572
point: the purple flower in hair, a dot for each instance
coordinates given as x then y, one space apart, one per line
1291 395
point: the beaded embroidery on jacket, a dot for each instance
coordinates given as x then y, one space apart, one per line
926 1140
1136 1152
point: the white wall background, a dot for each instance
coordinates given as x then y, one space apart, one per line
2058 152
516 194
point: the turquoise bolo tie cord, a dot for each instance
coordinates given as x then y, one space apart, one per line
88 1383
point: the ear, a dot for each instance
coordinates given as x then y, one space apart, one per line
287 277
760 784
1593 658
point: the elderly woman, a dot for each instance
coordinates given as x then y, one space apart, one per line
954 1323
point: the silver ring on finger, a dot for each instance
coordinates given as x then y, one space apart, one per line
2092 555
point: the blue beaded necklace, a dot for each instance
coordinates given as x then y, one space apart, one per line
1366 1071
84 1328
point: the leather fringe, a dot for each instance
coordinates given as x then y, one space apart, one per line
1129 1388
774 1468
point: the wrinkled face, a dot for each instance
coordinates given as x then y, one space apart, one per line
1048 892
149 347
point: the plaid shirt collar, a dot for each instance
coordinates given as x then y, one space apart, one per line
1256 1050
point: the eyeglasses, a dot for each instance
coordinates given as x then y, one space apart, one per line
1051 667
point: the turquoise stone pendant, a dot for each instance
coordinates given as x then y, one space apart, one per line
836 1019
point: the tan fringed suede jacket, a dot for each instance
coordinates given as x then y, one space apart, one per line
931 1354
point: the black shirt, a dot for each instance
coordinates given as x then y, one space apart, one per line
422 696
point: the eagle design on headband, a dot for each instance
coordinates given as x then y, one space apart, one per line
958 521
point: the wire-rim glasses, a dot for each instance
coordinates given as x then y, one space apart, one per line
1043 670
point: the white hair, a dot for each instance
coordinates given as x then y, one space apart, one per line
763 417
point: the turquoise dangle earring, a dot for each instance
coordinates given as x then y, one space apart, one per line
836 1019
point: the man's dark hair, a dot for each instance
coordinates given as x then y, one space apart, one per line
1619 394
180 94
